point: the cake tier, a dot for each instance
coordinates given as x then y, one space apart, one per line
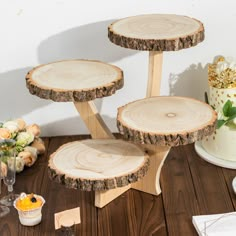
74 80
222 143
218 97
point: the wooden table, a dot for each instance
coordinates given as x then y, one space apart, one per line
190 186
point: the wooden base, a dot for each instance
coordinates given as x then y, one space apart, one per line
102 198
150 183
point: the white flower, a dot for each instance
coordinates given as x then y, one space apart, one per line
12 126
24 138
228 63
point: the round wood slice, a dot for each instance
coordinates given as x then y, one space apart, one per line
74 80
156 32
166 121
98 164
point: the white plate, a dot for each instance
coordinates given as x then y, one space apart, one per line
212 159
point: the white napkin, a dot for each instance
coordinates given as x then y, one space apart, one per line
215 225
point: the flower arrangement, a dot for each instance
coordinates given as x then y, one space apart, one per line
28 145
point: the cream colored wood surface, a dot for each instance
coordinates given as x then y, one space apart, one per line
150 183
75 75
74 80
166 115
156 26
154 73
99 159
156 32
94 122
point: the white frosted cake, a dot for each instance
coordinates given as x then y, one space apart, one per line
222 96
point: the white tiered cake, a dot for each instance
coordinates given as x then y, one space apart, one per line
222 82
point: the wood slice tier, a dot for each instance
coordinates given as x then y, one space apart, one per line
74 80
98 164
166 121
156 32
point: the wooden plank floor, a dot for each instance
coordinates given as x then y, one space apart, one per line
190 186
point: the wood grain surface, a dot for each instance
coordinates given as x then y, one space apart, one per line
74 80
98 164
166 120
156 32
190 186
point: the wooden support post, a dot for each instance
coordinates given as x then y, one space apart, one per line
98 130
93 120
151 182
154 74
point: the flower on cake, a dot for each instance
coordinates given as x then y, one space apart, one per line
222 73
28 145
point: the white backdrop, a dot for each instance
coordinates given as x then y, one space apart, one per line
36 32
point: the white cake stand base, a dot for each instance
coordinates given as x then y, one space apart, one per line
212 159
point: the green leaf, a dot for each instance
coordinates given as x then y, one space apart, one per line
227 107
232 111
231 118
220 123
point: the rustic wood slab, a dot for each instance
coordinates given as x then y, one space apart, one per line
98 164
166 121
156 32
74 80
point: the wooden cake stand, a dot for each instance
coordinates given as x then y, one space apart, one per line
157 33
102 163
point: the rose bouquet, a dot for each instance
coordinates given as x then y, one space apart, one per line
28 145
